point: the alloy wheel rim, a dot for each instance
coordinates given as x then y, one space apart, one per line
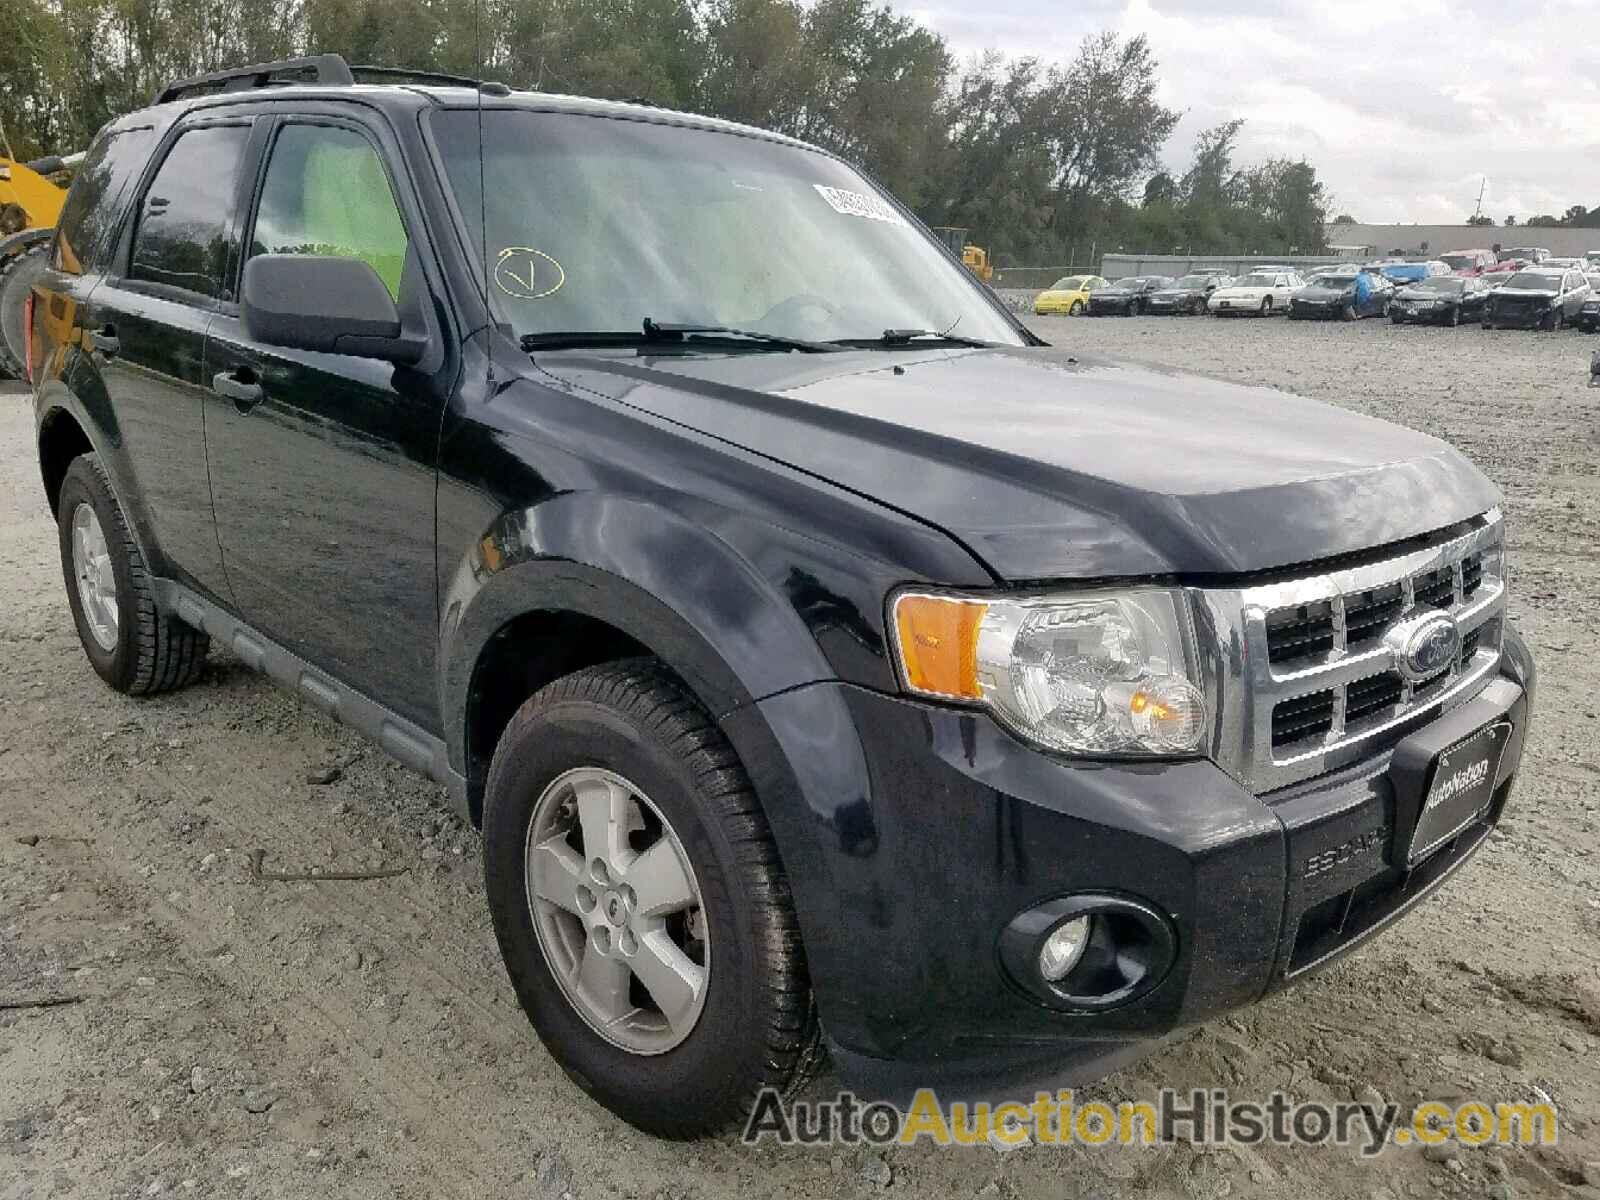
617 910
96 579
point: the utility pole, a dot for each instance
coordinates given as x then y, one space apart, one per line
1483 187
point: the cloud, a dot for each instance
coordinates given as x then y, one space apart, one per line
1403 108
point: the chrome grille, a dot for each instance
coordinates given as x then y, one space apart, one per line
1304 681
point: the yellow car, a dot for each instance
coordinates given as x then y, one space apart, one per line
1069 295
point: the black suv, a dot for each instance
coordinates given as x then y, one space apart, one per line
978 714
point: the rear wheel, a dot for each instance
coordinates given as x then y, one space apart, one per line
17 274
130 643
639 904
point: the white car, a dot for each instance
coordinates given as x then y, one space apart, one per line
1261 293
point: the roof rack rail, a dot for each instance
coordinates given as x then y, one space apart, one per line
318 68
407 75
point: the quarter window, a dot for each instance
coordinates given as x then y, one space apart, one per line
97 196
184 237
326 192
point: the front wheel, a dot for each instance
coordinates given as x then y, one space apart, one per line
1452 317
1557 320
636 894
130 643
1076 310
1266 306
1349 313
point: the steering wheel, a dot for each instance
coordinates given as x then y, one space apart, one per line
794 305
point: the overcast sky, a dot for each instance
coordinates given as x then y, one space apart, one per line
1403 106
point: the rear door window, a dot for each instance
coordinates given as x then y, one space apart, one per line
185 236
96 198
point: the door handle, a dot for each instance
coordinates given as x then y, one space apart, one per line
105 340
240 386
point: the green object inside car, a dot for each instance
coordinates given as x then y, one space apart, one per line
327 193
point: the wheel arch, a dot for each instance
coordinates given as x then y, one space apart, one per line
61 439
541 594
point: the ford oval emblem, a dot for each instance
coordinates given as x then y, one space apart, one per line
1425 647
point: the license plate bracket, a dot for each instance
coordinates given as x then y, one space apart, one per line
1457 789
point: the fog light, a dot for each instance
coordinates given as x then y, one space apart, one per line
1063 948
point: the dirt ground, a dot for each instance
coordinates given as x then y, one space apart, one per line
240 1038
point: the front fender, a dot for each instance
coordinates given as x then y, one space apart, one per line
668 584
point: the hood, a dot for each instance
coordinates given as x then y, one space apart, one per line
1046 467
1179 293
1415 293
1108 294
1323 291
1542 293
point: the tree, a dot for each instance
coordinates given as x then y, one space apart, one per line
1041 161
1574 215
1345 219
1510 222
1479 219
1543 221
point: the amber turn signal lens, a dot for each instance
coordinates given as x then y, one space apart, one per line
938 638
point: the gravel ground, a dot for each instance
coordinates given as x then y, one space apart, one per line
239 1038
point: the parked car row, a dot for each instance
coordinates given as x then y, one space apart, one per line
1544 296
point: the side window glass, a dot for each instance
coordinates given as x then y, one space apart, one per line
95 199
183 238
326 192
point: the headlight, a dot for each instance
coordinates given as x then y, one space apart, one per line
1110 672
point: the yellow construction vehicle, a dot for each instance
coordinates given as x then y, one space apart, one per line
30 205
974 258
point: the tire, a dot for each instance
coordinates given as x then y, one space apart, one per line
1266 306
1076 310
1396 319
17 273
1557 320
1349 313
752 1023
131 644
1453 316
1488 324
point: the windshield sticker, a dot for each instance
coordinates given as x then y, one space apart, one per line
859 204
527 274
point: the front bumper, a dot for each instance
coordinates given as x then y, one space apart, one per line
1316 309
1519 318
1433 315
913 834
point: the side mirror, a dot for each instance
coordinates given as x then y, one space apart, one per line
326 304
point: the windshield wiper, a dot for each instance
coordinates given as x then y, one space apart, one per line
655 333
893 338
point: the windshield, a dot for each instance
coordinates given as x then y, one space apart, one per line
1069 283
1459 262
1195 281
1126 285
1258 281
1439 283
1336 282
592 224
1534 282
